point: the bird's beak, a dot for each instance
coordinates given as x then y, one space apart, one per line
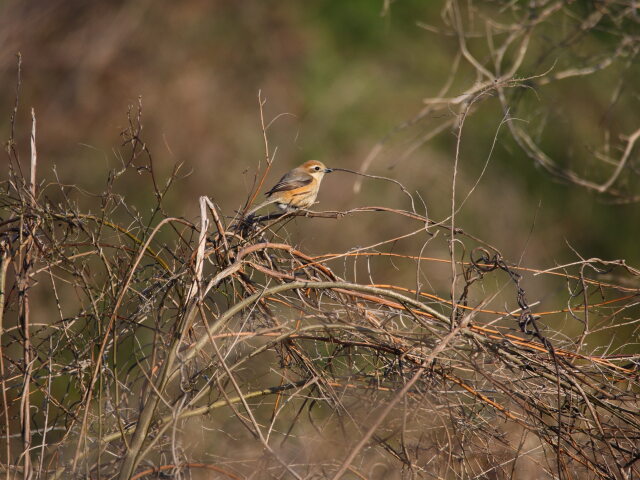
328 170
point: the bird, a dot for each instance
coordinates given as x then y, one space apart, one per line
298 188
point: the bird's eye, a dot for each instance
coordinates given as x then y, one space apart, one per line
316 168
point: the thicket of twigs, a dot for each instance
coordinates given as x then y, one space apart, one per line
142 345
167 346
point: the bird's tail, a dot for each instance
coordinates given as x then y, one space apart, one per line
251 212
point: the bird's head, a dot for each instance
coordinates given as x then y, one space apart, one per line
315 168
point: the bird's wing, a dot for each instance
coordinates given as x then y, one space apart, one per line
291 181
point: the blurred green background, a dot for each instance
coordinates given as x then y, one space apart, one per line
345 74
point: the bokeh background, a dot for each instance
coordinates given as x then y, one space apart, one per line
341 80
342 75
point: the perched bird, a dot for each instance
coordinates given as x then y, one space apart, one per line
298 188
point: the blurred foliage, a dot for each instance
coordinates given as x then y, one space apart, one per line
346 74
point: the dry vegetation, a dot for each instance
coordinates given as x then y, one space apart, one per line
144 345
176 330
